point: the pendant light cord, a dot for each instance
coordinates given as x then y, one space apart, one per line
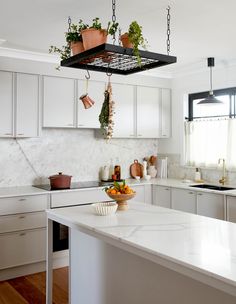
211 91
168 30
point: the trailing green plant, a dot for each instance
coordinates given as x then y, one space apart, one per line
74 35
135 35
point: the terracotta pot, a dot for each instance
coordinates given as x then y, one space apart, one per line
77 47
93 37
125 41
60 181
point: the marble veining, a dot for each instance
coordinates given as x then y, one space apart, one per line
199 243
29 161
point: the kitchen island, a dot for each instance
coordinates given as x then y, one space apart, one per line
147 254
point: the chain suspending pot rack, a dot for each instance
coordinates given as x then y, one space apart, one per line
115 59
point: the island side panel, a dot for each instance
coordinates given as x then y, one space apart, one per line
103 274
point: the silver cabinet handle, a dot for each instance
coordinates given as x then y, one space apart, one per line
8 134
20 134
167 189
80 125
22 199
199 194
190 193
22 234
21 217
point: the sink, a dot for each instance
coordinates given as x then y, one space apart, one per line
212 187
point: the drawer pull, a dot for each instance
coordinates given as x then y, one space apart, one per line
22 234
20 134
22 199
199 194
190 193
8 134
167 189
22 217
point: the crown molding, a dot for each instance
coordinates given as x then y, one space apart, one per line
28 55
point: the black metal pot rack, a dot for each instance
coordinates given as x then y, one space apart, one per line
116 60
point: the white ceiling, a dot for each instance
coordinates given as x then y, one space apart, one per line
199 28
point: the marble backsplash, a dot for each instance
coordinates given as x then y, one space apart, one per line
74 152
176 170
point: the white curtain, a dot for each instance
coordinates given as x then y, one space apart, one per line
207 140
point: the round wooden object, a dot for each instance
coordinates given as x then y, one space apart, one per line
121 200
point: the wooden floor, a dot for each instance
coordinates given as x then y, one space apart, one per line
31 289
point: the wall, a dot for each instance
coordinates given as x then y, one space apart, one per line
76 152
223 77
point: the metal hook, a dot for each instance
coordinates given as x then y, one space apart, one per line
87 77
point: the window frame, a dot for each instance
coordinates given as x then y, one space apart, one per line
201 95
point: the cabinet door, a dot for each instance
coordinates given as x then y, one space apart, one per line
162 196
140 193
6 104
148 122
210 204
89 118
165 115
231 209
123 95
20 248
183 200
27 105
58 102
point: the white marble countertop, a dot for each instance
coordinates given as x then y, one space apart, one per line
173 183
200 247
20 191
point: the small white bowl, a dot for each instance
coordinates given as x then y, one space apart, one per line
105 208
147 177
137 177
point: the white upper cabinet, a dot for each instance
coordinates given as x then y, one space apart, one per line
6 104
148 112
124 117
165 113
89 118
59 95
27 105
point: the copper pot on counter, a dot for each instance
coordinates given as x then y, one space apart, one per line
60 181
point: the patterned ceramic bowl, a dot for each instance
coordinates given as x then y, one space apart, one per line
105 208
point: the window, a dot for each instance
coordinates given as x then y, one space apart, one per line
210 130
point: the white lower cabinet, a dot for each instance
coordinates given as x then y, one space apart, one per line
183 200
211 205
162 196
231 208
22 230
20 248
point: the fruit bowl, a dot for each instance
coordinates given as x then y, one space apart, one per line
121 199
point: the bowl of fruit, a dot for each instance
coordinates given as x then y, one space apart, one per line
120 192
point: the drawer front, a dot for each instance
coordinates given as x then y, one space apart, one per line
9 223
22 248
78 197
21 204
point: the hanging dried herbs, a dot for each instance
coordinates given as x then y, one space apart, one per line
106 115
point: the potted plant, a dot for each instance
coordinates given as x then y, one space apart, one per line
133 39
74 41
96 35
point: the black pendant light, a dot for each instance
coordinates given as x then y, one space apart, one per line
210 99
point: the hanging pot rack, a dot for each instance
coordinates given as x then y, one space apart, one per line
115 59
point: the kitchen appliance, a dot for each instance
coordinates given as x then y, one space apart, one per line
60 181
60 232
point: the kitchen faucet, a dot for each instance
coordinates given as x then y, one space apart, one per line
223 178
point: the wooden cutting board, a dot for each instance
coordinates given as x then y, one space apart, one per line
136 169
